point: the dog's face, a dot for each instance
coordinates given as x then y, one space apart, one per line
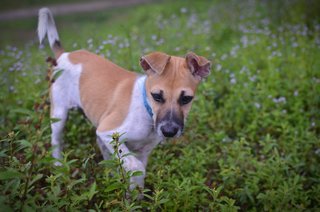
171 86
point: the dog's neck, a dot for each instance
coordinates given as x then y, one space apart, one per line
142 85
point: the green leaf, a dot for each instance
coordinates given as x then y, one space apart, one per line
92 190
127 154
163 201
54 120
3 153
22 111
3 205
36 178
113 187
23 144
136 173
10 174
56 74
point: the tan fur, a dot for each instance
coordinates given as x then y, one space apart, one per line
175 78
105 89
156 60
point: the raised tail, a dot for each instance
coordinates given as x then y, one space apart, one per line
46 26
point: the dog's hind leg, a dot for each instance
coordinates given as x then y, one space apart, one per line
59 115
62 98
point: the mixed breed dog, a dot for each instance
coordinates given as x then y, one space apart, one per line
146 108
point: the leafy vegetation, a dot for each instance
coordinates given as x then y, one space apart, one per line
252 139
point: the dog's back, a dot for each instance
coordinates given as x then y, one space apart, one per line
103 87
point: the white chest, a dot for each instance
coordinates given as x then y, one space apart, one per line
138 127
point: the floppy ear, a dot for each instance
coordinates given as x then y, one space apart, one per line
199 66
154 62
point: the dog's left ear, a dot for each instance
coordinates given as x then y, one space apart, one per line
154 62
199 66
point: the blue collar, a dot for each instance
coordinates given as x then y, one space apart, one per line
145 97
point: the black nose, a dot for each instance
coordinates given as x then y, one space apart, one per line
169 130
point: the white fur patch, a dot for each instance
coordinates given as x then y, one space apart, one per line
65 89
138 127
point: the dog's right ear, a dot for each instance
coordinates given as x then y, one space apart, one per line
154 62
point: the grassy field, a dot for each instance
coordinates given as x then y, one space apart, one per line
252 141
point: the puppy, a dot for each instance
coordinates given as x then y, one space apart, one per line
146 108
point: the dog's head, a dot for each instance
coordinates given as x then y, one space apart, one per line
171 85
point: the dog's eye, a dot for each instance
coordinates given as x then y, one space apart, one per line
158 97
183 100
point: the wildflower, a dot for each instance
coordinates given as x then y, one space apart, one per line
154 37
224 56
234 50
295 44
253 78
218 67
257 105
183 10
192 20
226 140
233 81
11 88
280 100
160 41
37 81
243 69
244 40
265 21
145 50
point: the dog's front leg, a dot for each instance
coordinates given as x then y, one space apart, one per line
130 162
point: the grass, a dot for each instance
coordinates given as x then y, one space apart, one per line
252 139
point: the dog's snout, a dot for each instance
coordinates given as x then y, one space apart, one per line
169 130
